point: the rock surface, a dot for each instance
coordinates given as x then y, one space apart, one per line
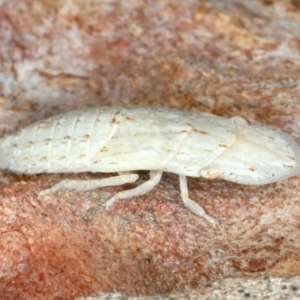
224 57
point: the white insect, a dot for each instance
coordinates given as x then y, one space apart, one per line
119 139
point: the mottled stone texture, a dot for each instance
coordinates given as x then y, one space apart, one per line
224 57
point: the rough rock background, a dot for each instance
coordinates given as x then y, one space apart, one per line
227 57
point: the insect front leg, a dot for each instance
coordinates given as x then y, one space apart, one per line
142 189
85 185
189 203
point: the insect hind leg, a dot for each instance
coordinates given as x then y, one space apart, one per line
189 203
142 189
85 185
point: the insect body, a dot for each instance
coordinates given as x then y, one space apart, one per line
115 139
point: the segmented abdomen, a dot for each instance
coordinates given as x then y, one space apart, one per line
62 143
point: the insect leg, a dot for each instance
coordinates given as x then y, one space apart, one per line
189 203
142 189
85 185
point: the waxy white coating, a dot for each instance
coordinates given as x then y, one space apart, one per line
120 139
